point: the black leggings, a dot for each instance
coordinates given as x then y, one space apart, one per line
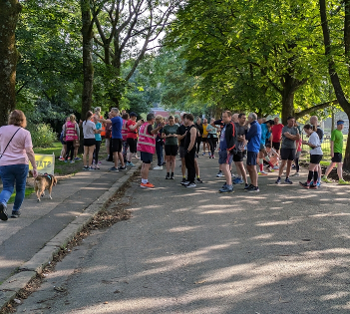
198 147
96 152
70 148
296 161
212 143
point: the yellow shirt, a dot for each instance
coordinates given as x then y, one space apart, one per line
205 132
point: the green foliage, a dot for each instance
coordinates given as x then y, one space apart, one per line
42 135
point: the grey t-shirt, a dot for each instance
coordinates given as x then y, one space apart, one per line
286 142
88 129
240 130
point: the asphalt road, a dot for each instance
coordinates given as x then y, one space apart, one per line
283 250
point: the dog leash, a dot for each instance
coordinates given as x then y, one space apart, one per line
9 143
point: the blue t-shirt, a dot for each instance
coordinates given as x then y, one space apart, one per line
265 133
117 123
223 144
98 135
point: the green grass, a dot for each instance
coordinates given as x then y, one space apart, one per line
28 192
56 149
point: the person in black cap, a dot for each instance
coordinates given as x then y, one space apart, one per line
132 130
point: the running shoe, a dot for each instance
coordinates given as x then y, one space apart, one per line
254 189
233 175
121 168
220 174
226 189
296 174
97 167
199 180
185 183
65 161
343 182
304 185
288 181
86 168
72 162
158 168
237 181
203 154
114 169
325 179
61 159
278 181
77 158
318 184
224 185
191 185
212 157
275 168
130 164
183 180
269 169
3 213
146 185
167 177
15 214
262 173
248 187
91 168
313 186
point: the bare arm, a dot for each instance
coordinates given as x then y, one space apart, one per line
31 156
332 149
193 139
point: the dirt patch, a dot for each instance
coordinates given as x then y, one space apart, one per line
114 212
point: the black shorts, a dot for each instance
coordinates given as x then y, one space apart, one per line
251 158
132 145
146 157
315 159
89 142
171 150
288 153
276 145
182 150
238 157
204 139
117 145
337 157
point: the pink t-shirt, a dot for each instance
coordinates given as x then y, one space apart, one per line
15 153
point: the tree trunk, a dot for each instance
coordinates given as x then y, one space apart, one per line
333 118
9 12
88 68
287 105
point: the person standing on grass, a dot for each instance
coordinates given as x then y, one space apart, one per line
117 139
190 148
169 133
320 133
16 151
227 144
253 137
290 135
336 154
316 155
146 145
297 154
71 133
64 143
131 138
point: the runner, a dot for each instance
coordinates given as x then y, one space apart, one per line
89 131
276 134
298 154
265 135
227 144
253 136
159 144
98 139
71 133
199 127
147 146
190 147
131 138
169 133
320 133
205 138
108 142
181 133
241 130
290 135
316 155
125 117
336 154
212 137
117 139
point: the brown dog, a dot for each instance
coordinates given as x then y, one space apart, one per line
42 183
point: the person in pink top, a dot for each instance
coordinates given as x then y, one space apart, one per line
16 151
71 133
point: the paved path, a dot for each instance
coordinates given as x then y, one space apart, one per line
40 222
285 250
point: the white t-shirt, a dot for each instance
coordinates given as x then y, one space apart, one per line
315 140
88 129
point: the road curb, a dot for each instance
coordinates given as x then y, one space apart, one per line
12 285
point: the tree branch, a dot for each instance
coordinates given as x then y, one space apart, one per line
315 108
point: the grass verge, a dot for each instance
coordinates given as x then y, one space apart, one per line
28 192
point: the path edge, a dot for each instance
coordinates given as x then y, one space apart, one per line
12 285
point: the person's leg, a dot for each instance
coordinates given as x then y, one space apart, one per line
21 180
319 170
97 151
91 153
167 164
250 171
196 167
241 171
183 167
190 161
225 168
280 171
330 168
296 161
86 151
255 176
289 166
67 150
145 172
7 174
173 164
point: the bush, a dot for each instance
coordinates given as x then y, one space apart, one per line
42 135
